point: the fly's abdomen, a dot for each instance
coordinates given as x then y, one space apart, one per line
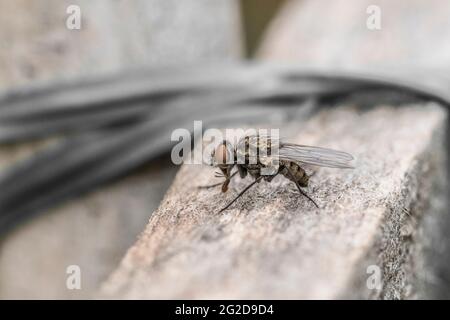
299 174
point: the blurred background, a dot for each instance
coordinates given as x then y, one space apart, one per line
39 50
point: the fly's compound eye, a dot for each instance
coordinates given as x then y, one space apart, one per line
222 155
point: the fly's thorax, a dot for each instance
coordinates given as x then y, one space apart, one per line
257 150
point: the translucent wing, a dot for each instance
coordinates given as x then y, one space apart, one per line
315 156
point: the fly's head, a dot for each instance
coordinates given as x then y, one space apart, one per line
223 158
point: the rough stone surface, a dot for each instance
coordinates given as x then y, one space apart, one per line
273 243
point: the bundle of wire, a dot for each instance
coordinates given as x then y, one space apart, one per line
107 127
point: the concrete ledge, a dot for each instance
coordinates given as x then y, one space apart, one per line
274 244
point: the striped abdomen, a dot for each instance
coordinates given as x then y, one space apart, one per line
299 174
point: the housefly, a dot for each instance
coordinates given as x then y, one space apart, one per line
264 157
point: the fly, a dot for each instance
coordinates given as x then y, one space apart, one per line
263 158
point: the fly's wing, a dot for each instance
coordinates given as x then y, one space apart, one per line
316 156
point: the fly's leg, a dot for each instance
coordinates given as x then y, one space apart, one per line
227 181
210 185
241 193
298 186
257 180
